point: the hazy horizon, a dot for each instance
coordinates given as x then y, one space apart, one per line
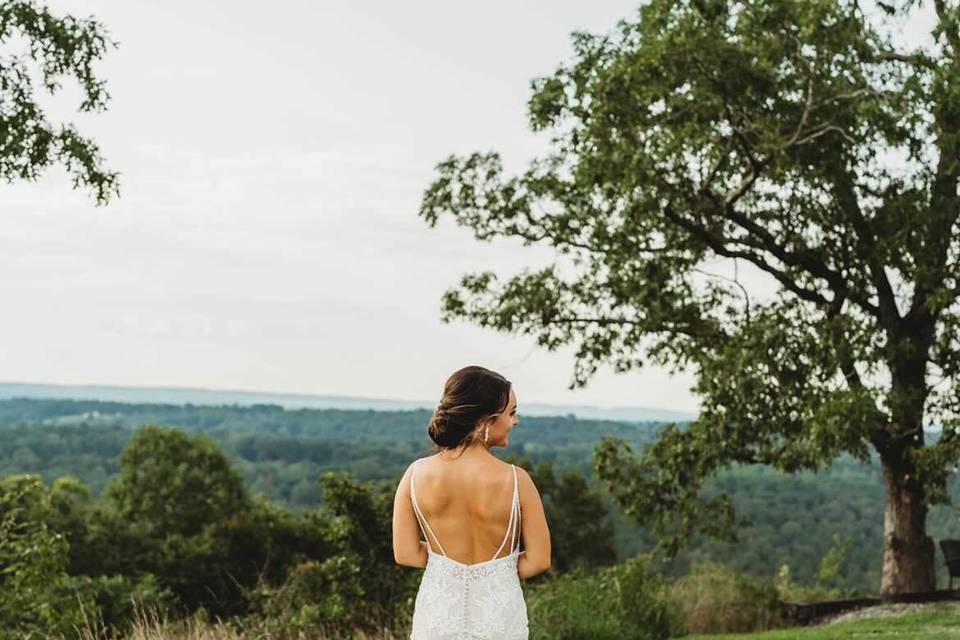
180 395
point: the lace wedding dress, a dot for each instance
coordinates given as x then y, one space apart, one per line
459 601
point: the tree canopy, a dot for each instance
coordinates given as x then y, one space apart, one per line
173 481
48 49
701 139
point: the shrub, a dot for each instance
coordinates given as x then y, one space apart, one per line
320 595
112 603
716 599
326 599
33 561
627 600
790 591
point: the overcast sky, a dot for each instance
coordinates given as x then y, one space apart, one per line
273 156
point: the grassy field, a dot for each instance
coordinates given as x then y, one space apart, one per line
938 623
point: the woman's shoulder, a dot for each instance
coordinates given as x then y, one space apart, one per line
435 460
499 466
422 463
424 460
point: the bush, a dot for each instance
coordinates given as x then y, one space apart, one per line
716 599
790 591
320 596
114 601
627 600
33 561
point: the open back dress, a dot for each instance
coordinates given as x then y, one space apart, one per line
479 601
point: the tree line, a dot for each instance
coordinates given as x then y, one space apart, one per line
177 530
280 454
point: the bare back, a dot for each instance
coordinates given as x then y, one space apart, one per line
467 503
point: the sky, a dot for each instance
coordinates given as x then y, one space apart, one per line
272 159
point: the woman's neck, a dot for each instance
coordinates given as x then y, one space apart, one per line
472 450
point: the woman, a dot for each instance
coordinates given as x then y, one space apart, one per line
473 510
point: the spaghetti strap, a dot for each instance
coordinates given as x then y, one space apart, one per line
424 525
516 501
514 522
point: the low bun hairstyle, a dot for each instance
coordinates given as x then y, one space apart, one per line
471 395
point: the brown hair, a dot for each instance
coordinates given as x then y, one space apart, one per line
471 395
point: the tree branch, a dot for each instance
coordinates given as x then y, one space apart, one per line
580 319
804 259
944 207
807 108
847 365
719 246
560 235
949 24
736 281
915 59
886 310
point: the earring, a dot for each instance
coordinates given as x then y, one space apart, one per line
486 434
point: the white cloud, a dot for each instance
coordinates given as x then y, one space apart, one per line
267 235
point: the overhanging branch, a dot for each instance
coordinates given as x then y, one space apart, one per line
803 259
718 244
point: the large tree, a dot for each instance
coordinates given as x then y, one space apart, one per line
805 141
175 483
42 47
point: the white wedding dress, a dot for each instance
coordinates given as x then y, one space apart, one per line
459 601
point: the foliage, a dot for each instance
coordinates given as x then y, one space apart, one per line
278 571
279 451
179 511
706 138
39 596
325 597
627 600
361 526
175 483
56 47
112 602
357 585
794 517
580 531
832 562
33 560
794 592
715 599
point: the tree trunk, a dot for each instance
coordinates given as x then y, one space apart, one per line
908 553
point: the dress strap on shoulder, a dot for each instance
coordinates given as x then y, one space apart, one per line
424 525
516 504
513 525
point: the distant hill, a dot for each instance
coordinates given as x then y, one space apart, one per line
184 395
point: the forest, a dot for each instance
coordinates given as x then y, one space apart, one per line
280 454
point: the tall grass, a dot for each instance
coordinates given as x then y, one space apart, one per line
716 599
627 600
148 624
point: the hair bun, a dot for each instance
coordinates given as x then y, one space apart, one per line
470 396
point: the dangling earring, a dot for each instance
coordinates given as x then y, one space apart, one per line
486 434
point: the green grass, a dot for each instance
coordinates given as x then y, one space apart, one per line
939 623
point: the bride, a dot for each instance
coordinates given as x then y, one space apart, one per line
473 510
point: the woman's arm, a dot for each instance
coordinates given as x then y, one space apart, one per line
408 549
536 535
